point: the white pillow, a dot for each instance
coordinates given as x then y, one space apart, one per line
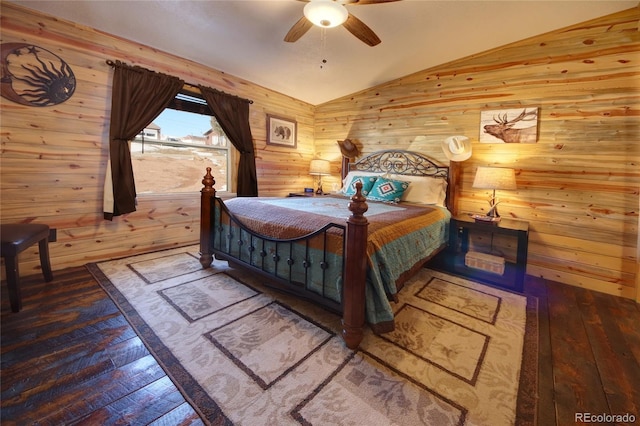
424 189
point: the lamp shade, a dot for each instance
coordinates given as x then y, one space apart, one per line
320 167
495 178
325 13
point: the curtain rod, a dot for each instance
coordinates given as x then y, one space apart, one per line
191 86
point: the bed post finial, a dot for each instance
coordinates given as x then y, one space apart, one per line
358 205
355 271
207 193
208 181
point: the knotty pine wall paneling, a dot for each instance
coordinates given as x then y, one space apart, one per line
577 186
54 158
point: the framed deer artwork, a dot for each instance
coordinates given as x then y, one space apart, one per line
509 126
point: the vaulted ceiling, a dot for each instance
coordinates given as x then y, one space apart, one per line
245 37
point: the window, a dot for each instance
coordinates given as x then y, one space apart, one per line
172 153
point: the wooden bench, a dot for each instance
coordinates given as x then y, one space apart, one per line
16 238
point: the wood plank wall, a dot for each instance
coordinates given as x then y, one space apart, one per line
577 186
54 158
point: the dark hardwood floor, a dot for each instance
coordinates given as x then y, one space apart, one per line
71 357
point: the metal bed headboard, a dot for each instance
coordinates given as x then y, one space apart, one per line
400 162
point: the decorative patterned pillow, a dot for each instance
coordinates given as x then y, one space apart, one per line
367 184
389 190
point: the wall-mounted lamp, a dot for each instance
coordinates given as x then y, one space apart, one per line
320 168
325 13
494 178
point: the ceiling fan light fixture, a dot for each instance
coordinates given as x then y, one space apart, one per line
325 13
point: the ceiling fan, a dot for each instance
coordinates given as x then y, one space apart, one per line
331 13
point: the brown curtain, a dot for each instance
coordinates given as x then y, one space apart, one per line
139 96
232 113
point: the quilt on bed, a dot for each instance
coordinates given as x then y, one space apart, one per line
400 238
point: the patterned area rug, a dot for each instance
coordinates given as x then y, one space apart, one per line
462 353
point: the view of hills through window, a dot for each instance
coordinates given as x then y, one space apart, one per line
172 153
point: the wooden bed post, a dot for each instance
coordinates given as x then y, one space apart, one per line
355 271
345 167
207 194
452 188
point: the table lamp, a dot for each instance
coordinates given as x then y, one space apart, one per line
320 168
494 178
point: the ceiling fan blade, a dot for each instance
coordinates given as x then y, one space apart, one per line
298 30
360 30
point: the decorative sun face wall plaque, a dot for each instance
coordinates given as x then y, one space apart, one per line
34 76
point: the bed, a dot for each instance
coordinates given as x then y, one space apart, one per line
350 252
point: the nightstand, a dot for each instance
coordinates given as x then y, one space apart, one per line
452 259
306 194
302 194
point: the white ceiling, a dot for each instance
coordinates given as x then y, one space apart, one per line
244 38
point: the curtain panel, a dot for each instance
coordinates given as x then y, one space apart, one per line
138 97
232 113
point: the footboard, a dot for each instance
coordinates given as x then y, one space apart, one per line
327 266
310 266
